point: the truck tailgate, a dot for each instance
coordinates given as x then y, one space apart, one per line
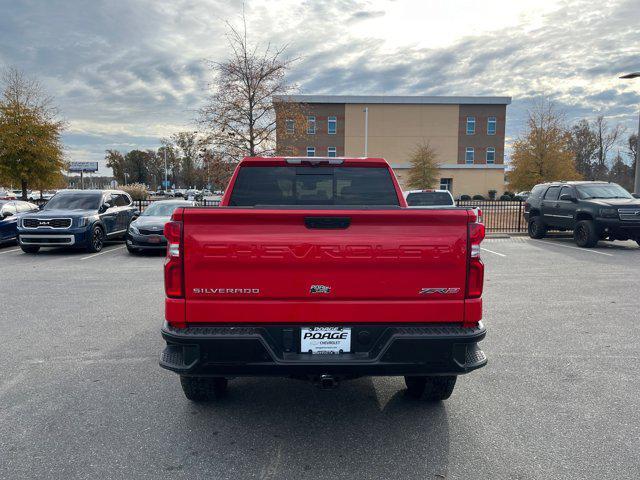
324 266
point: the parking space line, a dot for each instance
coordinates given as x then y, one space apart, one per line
586 250
103 252
491 251
9 251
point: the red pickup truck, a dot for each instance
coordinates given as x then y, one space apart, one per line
314 268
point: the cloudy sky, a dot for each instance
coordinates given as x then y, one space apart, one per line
126 73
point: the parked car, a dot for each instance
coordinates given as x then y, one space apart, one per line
7 195
179 192
429 198
10 213
37 195
146 232
522 195
78 218
594 211
193 195
336 279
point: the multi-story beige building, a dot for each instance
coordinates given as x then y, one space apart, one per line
467 134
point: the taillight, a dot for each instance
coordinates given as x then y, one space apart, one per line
475 272
173 265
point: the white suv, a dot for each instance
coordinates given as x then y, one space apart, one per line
429 198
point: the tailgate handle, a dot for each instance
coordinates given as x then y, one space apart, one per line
327 223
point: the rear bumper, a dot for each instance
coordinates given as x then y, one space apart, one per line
257 350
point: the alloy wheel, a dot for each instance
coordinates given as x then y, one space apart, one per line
97 240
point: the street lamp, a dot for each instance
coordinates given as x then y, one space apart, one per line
636 183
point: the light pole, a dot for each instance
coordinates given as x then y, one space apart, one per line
125 177
636 183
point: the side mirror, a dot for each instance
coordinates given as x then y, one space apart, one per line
636 195
104 207
567 197
6 214
41 206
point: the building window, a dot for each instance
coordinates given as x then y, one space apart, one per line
446 183
311 125
471 125
469 155
491 126
332 125
289 125
491 155
331 151
311 151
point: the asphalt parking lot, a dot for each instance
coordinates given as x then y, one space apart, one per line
82 396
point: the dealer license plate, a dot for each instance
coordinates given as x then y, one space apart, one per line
327 340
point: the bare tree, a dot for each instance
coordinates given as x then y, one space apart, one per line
632 149
240 115
606 138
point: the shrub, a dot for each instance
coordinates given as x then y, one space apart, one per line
506 198
492 194
509 194
138 191
479 197
465 198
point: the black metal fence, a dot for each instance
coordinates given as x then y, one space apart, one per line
500 216
143 204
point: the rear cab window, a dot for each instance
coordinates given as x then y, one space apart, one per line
428 199
313 185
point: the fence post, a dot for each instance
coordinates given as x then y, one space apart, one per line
519 216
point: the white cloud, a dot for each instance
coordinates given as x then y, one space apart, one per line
126 74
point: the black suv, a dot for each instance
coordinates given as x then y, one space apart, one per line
593 210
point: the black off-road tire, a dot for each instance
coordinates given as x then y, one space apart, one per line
203 389
537 229
433 389
585 234
30 248
96 242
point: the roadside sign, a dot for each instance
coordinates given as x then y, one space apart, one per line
83 166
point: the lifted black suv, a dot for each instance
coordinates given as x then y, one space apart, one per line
593 210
